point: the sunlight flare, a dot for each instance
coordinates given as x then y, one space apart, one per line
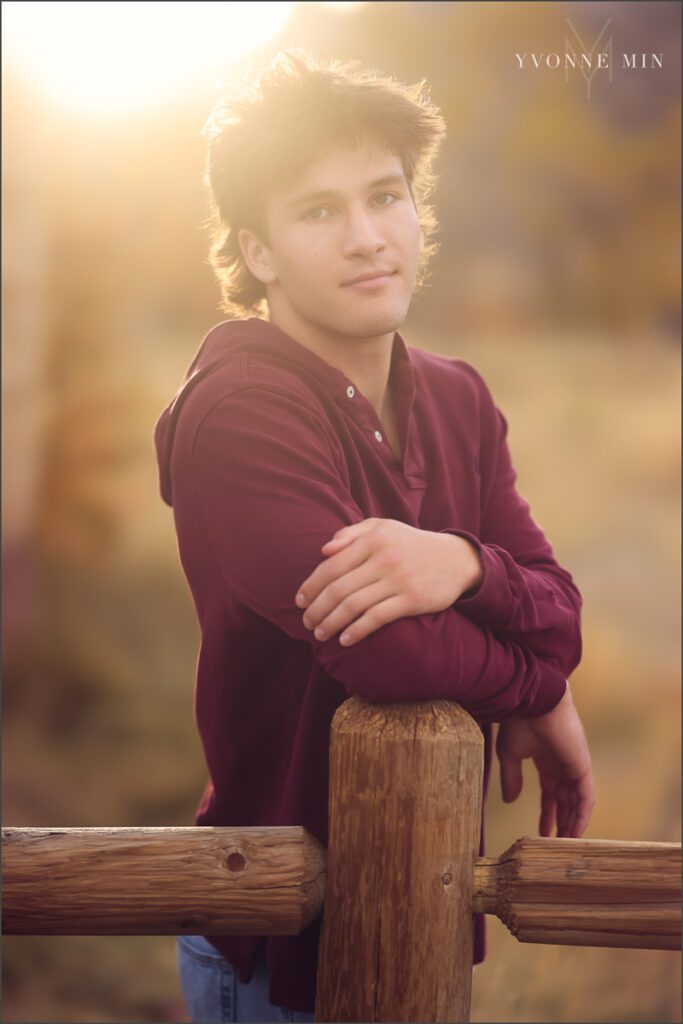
116 57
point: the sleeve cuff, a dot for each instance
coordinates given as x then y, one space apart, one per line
551 689
491 601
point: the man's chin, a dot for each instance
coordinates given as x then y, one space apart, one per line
373 325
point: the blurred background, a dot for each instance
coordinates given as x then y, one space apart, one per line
558 278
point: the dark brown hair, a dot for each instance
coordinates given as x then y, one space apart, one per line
299 109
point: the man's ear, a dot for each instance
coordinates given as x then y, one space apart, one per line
257 256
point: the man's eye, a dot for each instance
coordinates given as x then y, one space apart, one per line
390 198
314 213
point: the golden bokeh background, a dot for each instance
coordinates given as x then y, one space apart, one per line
558 278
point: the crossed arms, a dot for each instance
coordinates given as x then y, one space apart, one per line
472 623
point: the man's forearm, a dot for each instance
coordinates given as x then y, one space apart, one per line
536 603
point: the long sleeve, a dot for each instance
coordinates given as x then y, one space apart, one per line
524 594
268 480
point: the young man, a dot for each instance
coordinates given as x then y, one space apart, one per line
345 503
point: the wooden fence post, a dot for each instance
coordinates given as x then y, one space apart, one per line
404 823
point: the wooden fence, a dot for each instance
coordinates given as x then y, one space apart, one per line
397 885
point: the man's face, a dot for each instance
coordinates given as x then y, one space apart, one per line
349 215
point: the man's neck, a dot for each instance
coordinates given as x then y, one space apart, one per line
365 361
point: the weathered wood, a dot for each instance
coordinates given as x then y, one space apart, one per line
405 811
160 881
585 892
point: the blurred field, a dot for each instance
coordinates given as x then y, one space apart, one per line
558 278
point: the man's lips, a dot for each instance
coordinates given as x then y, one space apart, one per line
369 279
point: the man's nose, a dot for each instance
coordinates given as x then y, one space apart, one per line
362 232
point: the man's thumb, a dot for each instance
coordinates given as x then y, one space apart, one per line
511 778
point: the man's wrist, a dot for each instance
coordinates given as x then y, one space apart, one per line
471 567
476 575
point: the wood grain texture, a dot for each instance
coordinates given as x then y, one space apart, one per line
161 881
585 892
405 809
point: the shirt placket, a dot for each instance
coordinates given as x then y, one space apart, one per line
409 468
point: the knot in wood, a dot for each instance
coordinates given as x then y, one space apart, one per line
447 878
235 861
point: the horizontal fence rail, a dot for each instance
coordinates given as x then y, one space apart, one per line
585 892
160 881
271 881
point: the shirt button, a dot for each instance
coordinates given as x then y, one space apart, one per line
378 435
350 391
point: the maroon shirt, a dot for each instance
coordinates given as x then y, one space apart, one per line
265 452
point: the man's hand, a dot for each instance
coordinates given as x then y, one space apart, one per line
558 746
380 570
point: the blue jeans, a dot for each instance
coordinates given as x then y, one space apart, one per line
213 991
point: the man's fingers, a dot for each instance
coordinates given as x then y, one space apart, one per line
584 807
338 603
569 804
547 819
580 802
347 533
548 808
378 615
560 809
350 610
511 778
572 817
583 816
333 568
565 810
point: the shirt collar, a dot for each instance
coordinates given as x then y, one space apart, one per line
335 380
344 391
